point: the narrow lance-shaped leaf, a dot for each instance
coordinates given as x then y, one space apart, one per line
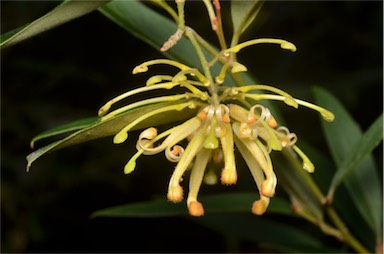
371 139
66 11
268 234
220 203
114 125
73 126
363 182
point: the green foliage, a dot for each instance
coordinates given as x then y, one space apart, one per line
356 168
66 11
215 204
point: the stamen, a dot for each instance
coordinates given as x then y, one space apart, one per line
104 109
288 99
289 138
180 76
143 103
130 166
260 206
254 118
202 95
175 192
178 133
272 122
269 185
144 66
121 136
245 130
327 115
283 44
157 79
196 208
145 137
222 113
174 154
229 174
220 78
258 151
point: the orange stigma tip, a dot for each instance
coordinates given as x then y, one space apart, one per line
225 118
272 123
202 115
175 194
260 206
228 177
196 209
268 188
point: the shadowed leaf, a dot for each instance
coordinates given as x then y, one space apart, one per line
66 11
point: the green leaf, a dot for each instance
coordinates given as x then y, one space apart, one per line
343 135
270 234
114 125
66 11
370 140
221 203
243 13
76 125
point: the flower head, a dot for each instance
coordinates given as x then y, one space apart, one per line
227 118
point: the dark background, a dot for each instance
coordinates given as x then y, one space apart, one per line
67 73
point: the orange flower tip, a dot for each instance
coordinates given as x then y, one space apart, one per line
251 119
260 206
272 122
268 188
175 194
202 115
196 209
226 118
228 177
120 137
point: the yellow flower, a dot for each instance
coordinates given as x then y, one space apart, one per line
228 118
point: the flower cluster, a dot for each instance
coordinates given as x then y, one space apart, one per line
227 118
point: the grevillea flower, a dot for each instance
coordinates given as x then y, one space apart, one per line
227 119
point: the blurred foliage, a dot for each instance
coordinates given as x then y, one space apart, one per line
69 72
